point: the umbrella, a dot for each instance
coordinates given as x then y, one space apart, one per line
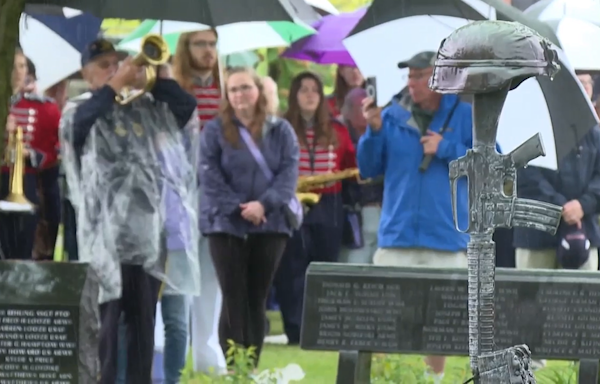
259 34
241 59
558 108
210 12
52 10
326 46
64 38
576 23
548 10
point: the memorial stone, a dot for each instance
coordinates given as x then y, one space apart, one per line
424 311
49 323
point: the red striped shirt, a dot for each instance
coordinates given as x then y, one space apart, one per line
317 159
209 98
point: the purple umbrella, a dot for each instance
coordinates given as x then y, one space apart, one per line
325 46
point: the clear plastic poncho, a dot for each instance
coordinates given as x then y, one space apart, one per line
134 188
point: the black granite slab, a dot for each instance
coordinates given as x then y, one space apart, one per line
49 323
419 310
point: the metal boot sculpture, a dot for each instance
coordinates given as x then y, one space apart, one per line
488 59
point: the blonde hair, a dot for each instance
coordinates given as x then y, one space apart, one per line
183 63
226 113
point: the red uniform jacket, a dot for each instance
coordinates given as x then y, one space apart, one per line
319 160
39 118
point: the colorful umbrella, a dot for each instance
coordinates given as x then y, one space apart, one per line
233 38
326 46
64 38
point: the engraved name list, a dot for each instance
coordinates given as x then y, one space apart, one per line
38 345
411 315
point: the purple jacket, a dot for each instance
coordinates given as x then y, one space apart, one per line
230 176
177 220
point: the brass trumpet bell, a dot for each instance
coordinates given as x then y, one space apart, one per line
154 52
16 202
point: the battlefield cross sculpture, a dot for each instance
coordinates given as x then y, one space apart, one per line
488 59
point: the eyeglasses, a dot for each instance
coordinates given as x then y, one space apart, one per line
242 89
203 44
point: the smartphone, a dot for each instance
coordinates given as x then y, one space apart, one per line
371 89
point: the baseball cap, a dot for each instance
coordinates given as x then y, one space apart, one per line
98 48
421 60
573 249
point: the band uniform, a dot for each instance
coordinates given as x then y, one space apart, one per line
39 118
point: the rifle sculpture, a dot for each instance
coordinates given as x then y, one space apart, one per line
469 63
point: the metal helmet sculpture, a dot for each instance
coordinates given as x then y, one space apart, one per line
488 59
486 56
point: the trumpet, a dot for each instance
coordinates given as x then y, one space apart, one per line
154 52
308 183
14 157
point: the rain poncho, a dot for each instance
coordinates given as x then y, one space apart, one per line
132 180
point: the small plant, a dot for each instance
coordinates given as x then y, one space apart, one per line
240 361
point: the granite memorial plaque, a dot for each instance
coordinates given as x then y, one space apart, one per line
412 310
49 323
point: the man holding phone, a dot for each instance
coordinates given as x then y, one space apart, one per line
410 143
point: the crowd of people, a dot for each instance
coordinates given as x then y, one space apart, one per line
230 139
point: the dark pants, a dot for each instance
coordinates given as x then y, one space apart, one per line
318 240
17 230
245 269
50 212
70 231
138 305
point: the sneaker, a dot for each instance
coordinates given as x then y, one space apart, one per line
276 339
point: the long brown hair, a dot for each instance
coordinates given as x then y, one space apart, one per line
341 89
226 113
324 132
183 63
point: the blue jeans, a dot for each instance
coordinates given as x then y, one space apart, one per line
122 353
176 318
370 228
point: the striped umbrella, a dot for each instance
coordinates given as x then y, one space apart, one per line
233 38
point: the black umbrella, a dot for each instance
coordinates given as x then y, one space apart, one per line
570 113
210 12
